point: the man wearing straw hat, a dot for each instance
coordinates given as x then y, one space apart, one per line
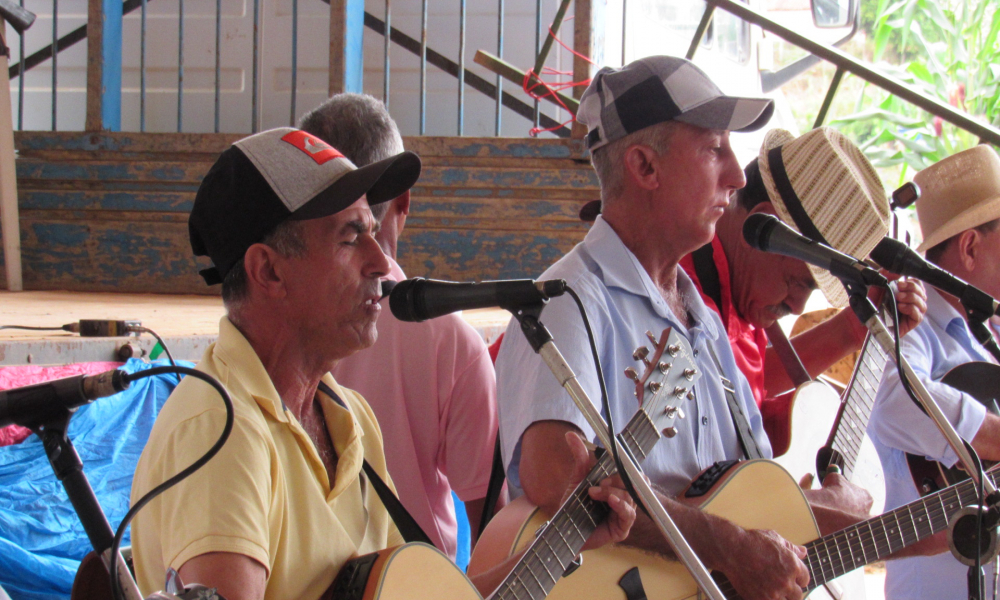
959 214
821 185
659 140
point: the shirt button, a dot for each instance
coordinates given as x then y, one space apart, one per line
696 354
704 420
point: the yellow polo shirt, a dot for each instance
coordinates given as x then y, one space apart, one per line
266 494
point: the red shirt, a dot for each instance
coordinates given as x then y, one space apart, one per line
749 347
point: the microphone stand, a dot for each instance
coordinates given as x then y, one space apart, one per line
541 342
868 315
977 325
68 469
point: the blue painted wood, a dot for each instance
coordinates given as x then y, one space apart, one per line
104 211
111 71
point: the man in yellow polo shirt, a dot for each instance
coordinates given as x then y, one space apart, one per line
285 220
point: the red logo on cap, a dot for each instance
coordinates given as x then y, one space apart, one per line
314 148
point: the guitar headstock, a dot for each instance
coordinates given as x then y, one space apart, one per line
667 381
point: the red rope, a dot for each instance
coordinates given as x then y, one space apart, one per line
533 81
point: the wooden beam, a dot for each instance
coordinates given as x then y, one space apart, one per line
511 73
583 43
347 22
10 222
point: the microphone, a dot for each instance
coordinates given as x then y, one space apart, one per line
387 285
897 257
765 232
420 299
41 403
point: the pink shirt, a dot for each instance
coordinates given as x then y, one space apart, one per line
433 389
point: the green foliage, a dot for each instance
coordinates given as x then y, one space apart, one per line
947 49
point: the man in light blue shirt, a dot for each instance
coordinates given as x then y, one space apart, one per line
959 212
659 141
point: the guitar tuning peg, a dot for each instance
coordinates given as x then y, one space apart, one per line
690 373
673 411
654 386
679 391
640 353
673 350
650 337
669 432
690 395
632 374
664 367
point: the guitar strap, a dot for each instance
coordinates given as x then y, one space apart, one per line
497 478
407 525
708 277
786 354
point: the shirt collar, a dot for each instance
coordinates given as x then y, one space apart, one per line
242 364
621 269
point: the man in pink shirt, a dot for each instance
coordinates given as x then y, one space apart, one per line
432 384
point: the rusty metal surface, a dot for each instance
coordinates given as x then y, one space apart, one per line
107 211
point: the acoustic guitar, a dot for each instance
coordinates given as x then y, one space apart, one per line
417 570
829 430
755 494
981 380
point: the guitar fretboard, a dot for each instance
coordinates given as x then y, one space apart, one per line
852 422
559 542
831 556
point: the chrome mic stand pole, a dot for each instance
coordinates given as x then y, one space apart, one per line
541 341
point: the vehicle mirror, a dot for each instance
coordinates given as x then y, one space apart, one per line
830 14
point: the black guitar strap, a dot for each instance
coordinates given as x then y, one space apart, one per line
497 477
407 525
708 277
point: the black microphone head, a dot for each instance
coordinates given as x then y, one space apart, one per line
404 297
387 285
890 254
757 229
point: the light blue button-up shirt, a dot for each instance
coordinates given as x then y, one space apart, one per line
941 342
622 303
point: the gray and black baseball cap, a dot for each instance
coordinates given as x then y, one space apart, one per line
655 89
282 174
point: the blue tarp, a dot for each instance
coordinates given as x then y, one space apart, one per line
41 538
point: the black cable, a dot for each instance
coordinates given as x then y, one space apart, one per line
119 594
30 328
162 345
604 403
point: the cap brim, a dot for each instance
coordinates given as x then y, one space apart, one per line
381 181
590 210
730 114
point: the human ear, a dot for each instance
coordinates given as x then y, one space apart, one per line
640 167
263 270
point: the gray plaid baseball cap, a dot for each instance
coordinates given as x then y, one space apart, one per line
282 174
655 89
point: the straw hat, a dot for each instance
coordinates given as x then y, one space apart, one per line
822 185
958 193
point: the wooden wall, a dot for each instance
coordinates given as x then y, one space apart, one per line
108 211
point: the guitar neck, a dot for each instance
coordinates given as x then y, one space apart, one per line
869 541
559 542
875 539
849 429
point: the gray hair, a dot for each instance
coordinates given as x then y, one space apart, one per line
609 160
360 127
287 239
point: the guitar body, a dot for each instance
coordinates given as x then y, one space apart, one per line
409 571
981 380
754 494
814 411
